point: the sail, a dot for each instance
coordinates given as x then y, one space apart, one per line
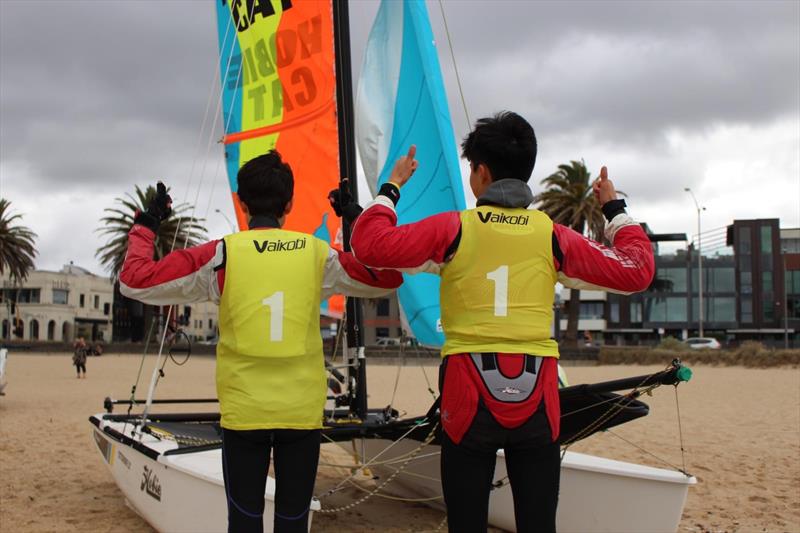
402 101
279 91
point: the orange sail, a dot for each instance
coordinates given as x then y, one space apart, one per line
279 92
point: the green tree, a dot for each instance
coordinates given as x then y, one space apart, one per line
180 228
568 200
17 249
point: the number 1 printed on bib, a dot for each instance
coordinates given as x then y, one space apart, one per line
275 304
500 278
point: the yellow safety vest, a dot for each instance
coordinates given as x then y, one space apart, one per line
270 368
497 292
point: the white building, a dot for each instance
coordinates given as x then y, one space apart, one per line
57 306
202 321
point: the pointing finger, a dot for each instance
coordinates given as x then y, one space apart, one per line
603 173
412 151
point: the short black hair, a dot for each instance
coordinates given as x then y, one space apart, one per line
505 143
266 184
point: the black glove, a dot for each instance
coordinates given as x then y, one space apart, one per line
158 210
343 204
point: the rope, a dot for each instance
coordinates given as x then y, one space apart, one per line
388 480
158 372
680 431
651 454
455 65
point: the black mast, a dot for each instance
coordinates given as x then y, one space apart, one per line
357 371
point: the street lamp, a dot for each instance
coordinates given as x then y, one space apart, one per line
699 260
785 303
233 228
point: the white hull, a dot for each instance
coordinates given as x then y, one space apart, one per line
597 495
173 493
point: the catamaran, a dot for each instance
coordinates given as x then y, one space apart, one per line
286 84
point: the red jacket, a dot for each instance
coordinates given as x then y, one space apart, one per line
424 246
198 274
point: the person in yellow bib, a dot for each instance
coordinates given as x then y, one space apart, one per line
499 264
271 380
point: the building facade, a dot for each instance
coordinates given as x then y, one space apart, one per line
57 306
750 285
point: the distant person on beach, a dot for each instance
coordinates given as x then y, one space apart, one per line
499 264
79 356
271 380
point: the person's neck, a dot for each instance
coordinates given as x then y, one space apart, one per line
265 221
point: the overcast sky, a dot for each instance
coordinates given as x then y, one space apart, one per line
96 97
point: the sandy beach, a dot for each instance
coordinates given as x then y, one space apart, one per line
741 434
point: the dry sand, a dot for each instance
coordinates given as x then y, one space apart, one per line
741 431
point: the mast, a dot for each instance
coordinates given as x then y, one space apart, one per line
357 369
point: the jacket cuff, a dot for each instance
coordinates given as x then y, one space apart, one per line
613 208
390 191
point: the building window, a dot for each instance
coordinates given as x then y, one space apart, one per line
665 310
717 309
60 296
720 279
22 296
383 307
51 330
793 305
34 330
210 324
96 301
636 312
83 298
792 282
613 312
671 280
591 310
766 240
382 332
744 240
768 307
746 308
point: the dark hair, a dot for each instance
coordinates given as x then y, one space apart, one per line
505 143
266 184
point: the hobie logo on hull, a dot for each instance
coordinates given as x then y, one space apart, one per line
150 484
501 218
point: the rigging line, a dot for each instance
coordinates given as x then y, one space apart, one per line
156 375
643 450
373 460
455 65
400 365
680 430
388 480
196 152
396 498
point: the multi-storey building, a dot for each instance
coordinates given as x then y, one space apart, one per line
751 291
57 306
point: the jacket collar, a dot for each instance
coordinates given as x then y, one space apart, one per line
507 193
263 221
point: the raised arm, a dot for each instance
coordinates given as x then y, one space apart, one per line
628 266
183 276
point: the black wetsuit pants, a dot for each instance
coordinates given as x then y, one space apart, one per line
245 463
533 462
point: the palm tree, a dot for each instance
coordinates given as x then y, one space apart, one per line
180 228
568 200
16 244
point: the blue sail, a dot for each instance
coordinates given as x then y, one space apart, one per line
402 101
